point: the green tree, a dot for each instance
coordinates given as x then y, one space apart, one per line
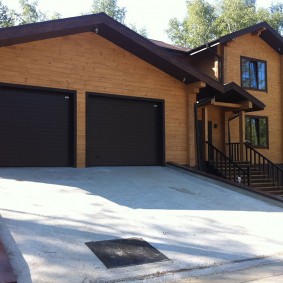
55 16
6 17
276 19
233 15
111 8
142 31
196 28
30 13
205 22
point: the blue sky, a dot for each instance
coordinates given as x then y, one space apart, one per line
154 15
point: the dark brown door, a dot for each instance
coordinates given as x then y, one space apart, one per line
124 131
36 127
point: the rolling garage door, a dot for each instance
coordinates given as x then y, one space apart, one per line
36 127
124 131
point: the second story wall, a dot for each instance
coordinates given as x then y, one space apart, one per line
253 47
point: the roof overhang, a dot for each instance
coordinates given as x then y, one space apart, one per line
129 40
113 31
263 30
231 94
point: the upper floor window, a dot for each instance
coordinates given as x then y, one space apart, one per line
253 73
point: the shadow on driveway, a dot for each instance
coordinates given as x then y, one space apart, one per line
196 223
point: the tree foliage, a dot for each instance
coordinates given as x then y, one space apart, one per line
111 8
30 13
142 31
196 28
205 21
234 15
6 17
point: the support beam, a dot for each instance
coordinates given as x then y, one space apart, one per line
192 91
244 105
242 133
224 125
205 132
227 105
258 32
281 72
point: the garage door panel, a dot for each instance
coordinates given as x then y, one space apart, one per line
37 128
124 131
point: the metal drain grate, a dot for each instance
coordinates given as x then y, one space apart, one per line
125 252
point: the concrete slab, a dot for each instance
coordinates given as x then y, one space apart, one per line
202 227
267 271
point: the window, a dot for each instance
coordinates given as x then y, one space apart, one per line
253 73
257 130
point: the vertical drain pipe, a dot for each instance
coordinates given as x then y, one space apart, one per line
196 106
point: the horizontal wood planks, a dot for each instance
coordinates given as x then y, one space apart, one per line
253 47
88 63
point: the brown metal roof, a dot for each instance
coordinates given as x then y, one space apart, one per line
170 46
232 93
113 31
268 34
122 36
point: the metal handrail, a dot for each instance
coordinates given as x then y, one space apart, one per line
260 162
234 151
229 169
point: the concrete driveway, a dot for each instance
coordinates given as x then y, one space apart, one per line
200 225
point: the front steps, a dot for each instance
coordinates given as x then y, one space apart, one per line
258 179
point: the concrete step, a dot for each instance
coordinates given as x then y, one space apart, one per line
263 184
260 177
261 180
269 188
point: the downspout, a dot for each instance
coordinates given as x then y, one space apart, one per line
196 106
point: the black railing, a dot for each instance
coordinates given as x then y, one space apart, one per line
234 151
263 164
226 167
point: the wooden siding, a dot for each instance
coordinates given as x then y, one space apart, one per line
206 62
215 116
254 47
88 63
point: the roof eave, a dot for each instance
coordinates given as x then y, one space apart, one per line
257 104
115 32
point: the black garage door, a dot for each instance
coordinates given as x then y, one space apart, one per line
36 127
124 131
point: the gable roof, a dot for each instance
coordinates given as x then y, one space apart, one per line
268 34
232 94
118 34
170 47
113 31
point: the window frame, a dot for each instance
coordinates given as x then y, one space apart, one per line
267 131
265 69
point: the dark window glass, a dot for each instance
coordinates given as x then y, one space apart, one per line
253 74
257 131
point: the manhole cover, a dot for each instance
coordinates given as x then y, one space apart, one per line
125 252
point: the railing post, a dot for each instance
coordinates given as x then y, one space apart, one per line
242 133
249 176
